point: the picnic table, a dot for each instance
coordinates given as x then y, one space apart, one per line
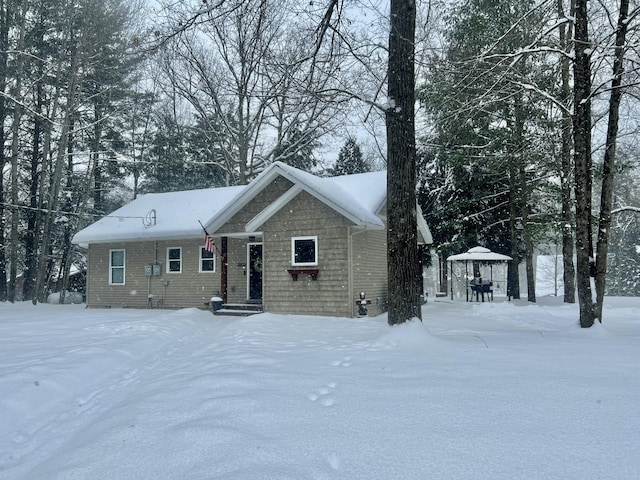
479 287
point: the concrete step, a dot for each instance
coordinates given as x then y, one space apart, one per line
239 309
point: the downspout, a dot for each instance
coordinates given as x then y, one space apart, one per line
351 232
451 277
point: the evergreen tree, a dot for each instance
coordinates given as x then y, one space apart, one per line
206 152
350 160
167 171
296 150
623 275
489 132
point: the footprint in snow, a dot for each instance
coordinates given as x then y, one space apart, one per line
334 460
345 362
322 394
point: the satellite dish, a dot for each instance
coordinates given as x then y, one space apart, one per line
150 218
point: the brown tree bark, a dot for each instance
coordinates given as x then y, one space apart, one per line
15 151
566 176
4 112
402 239
61 154
608 166
513 268
582 162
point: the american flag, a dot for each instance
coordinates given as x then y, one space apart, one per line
209 246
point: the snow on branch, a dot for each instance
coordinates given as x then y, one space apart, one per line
625 209
533 88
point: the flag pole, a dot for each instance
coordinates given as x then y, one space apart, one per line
210 245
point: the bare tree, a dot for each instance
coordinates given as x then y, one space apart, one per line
565 32
15 152
583 161
608 167
247 71
5 24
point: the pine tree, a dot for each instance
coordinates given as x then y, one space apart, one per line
489 132
168 155
350 160
296 150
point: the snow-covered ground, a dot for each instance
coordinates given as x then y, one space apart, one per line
479 391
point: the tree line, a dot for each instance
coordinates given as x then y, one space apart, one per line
527 102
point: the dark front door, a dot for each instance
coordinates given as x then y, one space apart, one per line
255 272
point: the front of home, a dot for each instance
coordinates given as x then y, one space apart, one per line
289 242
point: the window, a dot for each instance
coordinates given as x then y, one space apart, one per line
207 261
116 267
304 251
174 259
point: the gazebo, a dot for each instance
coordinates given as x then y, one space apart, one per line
481 255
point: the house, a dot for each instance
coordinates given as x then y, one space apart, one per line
289 242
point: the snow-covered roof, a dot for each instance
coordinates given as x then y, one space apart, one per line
174 215
358 197
160 216
480 254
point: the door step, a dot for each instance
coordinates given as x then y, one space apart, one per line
239 309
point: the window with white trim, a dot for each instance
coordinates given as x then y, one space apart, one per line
174 259
304 251
207 261
116 267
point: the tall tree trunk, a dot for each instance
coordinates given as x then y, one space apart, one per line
582 162
98 198
15 214
15 153
66 248
4 48
524 197
30 243
43 264
608 166
513 268
402 236
526 235
569 272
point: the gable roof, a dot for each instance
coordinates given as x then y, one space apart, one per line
175 215
358 197
157 216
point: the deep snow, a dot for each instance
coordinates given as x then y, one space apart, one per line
479 391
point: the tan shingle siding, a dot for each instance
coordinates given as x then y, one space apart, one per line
329 294
342 249
369 256
262 200
190 288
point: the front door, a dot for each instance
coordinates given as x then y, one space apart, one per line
254 253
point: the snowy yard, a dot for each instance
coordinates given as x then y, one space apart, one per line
481 391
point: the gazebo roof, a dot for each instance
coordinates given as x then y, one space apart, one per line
479 254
